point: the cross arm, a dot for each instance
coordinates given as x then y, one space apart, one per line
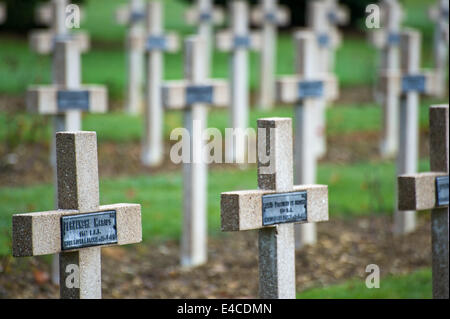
418 191
193 15
40 233
242 210
423 82
169 42
41 41
48 99
288 87
179 94
281 16
227 41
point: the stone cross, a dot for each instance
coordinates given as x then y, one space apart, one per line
426 191
133 16
193 95
322 17
2 13
65 99
156 43
205 16
387 39
439 14
239 40
306 90
274 208
408 84
42 41
80 226
268 15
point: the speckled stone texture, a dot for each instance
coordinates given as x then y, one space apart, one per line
242 210
275 154
439 140
40 233
417 191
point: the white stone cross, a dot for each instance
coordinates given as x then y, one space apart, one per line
239 40
268 15
408 84
80 226
439 14
322 18
133 16
387 39
66 99
274 208
205 16
156 43
426 191
193 95
306 90
42 41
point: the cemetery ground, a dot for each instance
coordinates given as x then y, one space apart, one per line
361 184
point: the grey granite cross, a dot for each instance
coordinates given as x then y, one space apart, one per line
80 226
274 208
424 191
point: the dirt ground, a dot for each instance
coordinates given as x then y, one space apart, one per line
150 270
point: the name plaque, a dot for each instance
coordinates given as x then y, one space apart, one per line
323 40
393 39
442 191
413 83
73 100
156 43
310 89
284 208
86 230
136 16
271 17
241 41
205 16
199 94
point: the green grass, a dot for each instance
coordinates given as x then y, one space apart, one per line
106 63
161 196
20 128
416 285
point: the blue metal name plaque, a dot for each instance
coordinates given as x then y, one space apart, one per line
73 100
284 208
199 94
241 42
308 89
156 43
442 191
86 230
413 83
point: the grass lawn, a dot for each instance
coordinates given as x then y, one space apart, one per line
20 128
105 63
416 285
161 196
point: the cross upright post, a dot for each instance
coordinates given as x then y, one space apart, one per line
193 95
410 83
306 90
132 15
238 40
424 191
80 226
439 15
387 40
42 41
155 45
205 16
274 208
268 15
